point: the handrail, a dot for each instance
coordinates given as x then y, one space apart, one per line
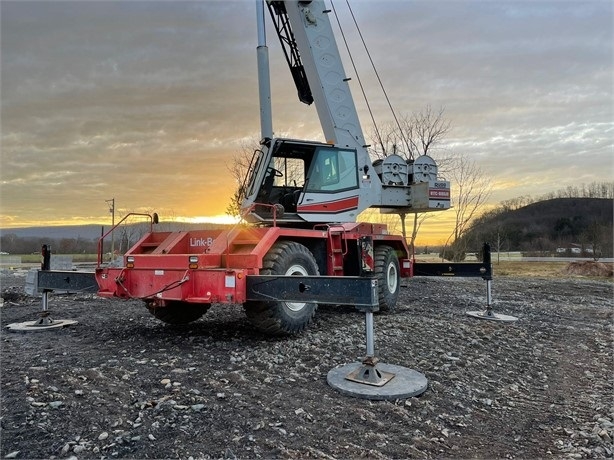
153 219
330 228
252 207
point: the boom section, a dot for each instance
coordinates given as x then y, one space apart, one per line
305 28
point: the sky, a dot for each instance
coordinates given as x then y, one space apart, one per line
147 102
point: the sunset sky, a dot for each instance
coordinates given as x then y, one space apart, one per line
147 102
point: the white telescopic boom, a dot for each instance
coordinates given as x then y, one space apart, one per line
264 79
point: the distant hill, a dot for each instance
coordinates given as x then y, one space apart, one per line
89 232
547 225
72 239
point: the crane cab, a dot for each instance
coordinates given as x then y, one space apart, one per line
291 181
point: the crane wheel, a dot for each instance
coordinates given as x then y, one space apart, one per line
284 318
388 277
179 312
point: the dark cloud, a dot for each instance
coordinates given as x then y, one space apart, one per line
148 101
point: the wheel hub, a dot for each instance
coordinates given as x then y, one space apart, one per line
392 278
296 270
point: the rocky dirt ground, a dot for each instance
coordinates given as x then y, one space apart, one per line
120 384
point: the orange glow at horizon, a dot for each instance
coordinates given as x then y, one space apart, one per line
434 231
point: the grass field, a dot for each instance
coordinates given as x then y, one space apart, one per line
518 269
530 269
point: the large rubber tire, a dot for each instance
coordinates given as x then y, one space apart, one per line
179 312
388 277
284 318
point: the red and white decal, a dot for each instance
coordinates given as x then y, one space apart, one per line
439 193
333 207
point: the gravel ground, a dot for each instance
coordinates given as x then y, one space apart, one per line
120 384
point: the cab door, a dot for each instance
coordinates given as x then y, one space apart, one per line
331 191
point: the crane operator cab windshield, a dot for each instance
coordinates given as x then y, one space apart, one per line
295 178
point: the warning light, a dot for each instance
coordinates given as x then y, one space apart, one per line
193 262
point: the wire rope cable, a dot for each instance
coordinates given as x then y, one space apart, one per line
362 89
381 84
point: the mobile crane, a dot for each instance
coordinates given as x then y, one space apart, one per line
301 199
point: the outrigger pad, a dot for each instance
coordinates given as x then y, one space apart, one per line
405 384
38 326
491 316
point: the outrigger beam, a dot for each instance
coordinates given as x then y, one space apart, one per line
336 290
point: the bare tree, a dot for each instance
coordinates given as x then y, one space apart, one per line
414 135
500 239
471 189
390 219
425 130
238 168
133 229
596 238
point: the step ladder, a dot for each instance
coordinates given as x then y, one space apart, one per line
337 249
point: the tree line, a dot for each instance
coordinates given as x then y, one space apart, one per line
13 244
593 190
561 226
122 239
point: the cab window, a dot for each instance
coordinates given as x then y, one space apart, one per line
332 170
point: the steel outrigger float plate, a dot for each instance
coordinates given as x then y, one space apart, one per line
491 316
405 384
38 326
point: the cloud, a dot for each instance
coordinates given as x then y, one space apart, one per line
147 102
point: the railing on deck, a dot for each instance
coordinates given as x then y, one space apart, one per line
252 207
153 219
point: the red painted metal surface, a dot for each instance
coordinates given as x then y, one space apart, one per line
211 266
